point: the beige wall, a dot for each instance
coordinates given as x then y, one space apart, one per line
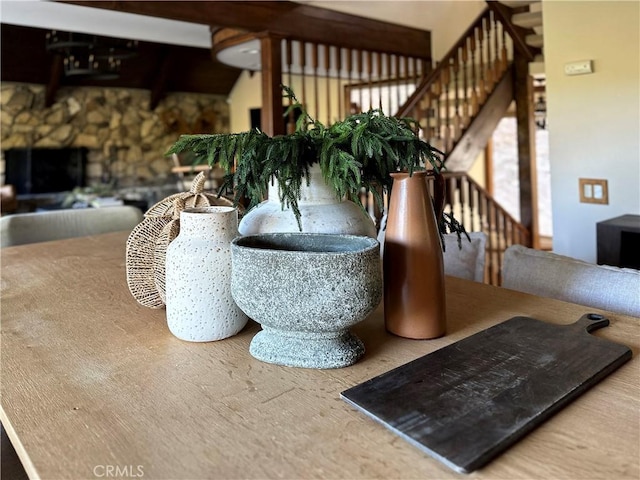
594 120
246 94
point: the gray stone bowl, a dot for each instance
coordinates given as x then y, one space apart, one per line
306 290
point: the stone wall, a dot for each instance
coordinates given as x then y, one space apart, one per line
126 141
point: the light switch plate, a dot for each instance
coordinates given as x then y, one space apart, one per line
593 190
578 68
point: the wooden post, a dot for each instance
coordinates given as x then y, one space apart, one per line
271 119
53 85
523 89
488 167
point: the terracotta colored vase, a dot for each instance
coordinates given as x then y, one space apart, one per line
414 300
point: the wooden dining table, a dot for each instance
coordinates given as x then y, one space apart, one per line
93 385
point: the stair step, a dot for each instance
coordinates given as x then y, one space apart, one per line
527 19
536 40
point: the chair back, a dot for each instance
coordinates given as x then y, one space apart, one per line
23 228
556 276
466 260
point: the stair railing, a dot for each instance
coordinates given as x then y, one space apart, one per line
334 81
478 211
449 98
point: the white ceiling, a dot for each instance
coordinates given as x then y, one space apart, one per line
73 18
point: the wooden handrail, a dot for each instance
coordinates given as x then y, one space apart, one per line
436 73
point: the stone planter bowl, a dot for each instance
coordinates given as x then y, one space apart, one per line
306 290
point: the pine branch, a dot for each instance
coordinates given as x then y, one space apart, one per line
358 152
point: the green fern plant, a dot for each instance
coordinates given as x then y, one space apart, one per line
357 152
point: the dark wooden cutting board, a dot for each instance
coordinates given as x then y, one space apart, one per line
469 401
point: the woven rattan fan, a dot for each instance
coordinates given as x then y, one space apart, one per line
148 242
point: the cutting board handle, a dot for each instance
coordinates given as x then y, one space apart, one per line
590 322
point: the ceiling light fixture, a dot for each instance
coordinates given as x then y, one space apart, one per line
92 56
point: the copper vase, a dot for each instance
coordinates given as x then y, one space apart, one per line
414 300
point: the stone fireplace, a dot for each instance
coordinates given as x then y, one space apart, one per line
122 141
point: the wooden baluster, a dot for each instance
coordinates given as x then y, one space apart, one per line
390 84
370 77
413 68
471 193
314 66
505 55
503 246
490 240
303 65
513 232
445 76
378 63
505 231
460 184
499 237
465 85
450 193
457 119
339 81
405 75
424 69
398 79
481 212
489 63
482 86
474 80
291 122
497 66
347 101
426 114
437 92
327 67
360 72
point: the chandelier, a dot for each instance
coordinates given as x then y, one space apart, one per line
86 55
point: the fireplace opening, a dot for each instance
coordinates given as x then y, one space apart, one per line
45 170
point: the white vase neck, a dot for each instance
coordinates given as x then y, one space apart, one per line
317 192
219 223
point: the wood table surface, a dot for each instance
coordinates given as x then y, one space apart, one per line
94 383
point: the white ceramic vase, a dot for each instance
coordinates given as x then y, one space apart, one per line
198 276
321 212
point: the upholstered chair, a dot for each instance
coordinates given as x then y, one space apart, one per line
564 278
23 228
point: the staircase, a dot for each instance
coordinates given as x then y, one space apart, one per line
460 103
527 15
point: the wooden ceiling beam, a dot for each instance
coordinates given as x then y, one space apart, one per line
284 18
55 76
159 84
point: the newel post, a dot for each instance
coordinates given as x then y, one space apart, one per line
271 114
526 128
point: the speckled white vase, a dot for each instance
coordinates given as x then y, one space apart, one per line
198 276
321 212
